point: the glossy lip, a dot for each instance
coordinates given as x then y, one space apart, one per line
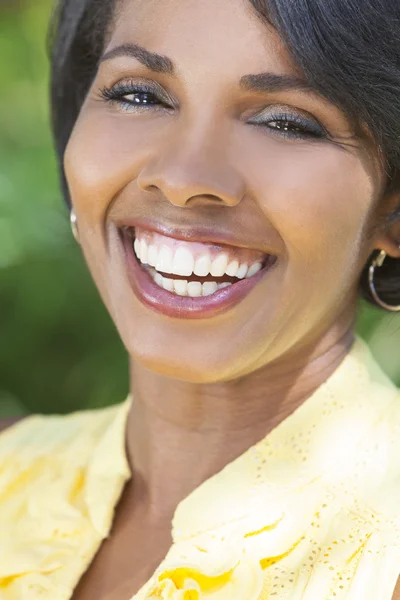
184 307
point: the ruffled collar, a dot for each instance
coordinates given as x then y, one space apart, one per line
297 513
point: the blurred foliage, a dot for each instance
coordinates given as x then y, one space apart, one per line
59 350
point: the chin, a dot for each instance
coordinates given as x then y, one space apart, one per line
200 369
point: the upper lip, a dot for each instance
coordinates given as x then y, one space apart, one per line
204 234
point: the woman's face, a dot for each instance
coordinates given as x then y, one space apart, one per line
208 155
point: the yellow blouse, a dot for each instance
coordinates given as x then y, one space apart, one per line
311 512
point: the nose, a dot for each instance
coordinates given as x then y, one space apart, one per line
193 168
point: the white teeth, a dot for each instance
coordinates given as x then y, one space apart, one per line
254 269
164 260
219 265
136 246
194 289
159 279
168 284
152 255
232 268
143 251
180 287
221 286
209 287
202 266
242 271
183 263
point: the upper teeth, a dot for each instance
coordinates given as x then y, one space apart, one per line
181 260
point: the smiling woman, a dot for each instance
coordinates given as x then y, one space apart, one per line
232 174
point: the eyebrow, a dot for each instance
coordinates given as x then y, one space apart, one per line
151 60
273 82
262 82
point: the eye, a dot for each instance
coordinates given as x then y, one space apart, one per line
291 125
134 97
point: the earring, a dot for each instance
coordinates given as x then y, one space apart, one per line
378 262
74 225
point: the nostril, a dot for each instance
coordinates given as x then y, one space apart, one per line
203 200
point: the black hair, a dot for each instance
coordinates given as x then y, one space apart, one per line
350 52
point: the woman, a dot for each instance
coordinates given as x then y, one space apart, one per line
231 169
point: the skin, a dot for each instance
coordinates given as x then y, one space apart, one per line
216 386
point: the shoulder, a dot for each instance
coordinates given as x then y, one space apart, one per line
38 435
61 478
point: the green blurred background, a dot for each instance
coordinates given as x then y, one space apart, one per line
59 350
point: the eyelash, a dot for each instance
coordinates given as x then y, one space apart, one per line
301 128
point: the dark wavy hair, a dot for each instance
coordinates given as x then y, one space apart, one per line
350 52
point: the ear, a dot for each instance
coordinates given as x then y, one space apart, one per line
387 230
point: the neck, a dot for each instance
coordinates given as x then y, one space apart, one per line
179 434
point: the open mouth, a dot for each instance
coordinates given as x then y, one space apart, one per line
190 268
190 279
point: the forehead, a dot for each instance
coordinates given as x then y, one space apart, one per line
227 34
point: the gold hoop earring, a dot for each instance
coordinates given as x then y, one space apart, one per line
378 262
74 225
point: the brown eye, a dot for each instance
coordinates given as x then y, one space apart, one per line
140 98
132 97
291 125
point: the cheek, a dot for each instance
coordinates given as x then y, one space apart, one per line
102 157
318 197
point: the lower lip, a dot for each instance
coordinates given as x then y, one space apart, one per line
185 307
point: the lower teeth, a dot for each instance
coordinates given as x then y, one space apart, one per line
182 287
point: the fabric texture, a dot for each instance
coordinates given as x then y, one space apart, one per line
310 512
60 479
